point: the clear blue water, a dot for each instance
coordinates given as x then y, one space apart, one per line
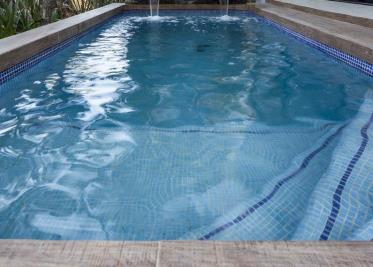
191 127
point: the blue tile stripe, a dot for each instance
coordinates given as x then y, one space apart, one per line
342 183
276 188
32 61
228 131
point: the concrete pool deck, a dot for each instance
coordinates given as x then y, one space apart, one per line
184 253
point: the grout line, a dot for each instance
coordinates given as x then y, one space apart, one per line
158 253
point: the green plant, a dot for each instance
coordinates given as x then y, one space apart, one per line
19 15
25 20
22 15
35 9
100 3
8 19
30 14
79 6
55 15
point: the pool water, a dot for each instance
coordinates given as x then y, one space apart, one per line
187 127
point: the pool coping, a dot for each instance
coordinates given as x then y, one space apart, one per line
185 253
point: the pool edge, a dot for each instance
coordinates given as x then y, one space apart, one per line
185 253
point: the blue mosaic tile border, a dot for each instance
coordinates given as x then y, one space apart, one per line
32 61
335 53
39 57
353 61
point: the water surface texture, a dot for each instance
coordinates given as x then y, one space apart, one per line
187 127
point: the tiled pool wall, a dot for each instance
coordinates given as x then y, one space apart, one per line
338 54
21 47
351 60
39 57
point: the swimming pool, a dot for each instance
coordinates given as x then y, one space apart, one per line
187 127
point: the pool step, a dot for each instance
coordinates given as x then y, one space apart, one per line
351 39
339 206
353 13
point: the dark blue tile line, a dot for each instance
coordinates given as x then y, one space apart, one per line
342 183
223 131
353 61
276 188
34 60
210 131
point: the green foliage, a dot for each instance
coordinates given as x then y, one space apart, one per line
8 19
79 6
22 15
19 15
35 10
55 15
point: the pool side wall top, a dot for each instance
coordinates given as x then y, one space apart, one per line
17 48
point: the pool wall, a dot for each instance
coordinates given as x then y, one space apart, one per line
24 50
17 48
350 43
